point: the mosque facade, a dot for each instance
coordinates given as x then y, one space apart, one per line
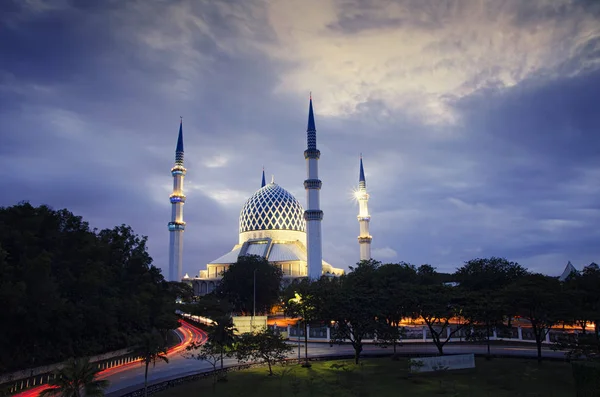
272 224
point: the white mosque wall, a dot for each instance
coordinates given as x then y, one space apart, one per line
275 235
244 324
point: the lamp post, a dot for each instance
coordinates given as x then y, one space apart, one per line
298 336
253 304
297 300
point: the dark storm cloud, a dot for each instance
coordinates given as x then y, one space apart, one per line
87 102
49 47
533 138
530 146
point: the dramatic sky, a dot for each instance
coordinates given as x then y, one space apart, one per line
479 121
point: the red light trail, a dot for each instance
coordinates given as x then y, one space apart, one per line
191 334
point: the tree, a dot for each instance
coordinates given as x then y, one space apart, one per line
221 333
482 279
438 305
76 378
264 346
72 291
538 299
427 275
182 291
207 351
579 346
151 349
485 310
210 306
237 285
396 300
584 290
488 273
302 304
353 305
590 284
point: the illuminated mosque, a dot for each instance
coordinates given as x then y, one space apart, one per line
273 224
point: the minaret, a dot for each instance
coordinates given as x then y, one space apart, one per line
313 215
177 225
364 239
263 183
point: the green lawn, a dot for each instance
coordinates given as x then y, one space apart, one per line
384 377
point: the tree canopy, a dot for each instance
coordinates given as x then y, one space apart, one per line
70 291
237 285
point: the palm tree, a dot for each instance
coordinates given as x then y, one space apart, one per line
222 334
151 349
77 378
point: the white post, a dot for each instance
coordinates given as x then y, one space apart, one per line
424 333
289 330
495 334
308 331
328 334
448 332
547 336
519 333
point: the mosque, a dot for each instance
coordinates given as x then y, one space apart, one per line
273 224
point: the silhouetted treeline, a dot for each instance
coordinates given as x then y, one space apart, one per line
67 290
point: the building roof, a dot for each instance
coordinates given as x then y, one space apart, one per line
180 138
287 252
279 252
230 257
567 272
311 117
276 252
272 208
362 183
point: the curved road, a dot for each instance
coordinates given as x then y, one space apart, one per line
133 373
179 366
130 377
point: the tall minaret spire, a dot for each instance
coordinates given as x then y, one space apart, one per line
263 179
313 215
177 225
364 239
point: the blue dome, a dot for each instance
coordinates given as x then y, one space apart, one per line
272 208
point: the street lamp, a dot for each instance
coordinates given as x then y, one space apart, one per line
297 300
253 304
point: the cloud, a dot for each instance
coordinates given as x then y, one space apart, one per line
384 253
477 120
420 56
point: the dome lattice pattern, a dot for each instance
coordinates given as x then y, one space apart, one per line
272 208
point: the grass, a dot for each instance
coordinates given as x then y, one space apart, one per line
384 377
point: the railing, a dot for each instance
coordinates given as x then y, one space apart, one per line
422 333
18 385
21 380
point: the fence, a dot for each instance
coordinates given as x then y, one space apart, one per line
422 333
41 379
21 380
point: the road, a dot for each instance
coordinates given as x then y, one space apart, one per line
180 366
131 376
